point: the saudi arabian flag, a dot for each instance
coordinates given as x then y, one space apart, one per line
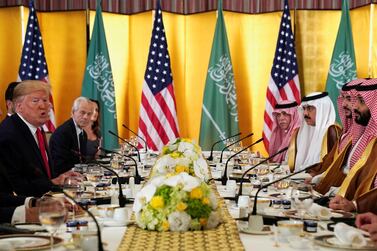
219 110
98 81
343 63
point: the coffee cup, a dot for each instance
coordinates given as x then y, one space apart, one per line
121 214
106 211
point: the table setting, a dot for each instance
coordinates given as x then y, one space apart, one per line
180 205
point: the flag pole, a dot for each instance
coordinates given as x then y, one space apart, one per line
87 25
295 17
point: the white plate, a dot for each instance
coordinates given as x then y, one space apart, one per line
114 223
264 231
32 227
27 241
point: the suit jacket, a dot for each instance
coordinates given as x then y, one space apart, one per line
21 158
64 147
8 204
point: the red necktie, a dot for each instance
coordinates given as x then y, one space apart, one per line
42 149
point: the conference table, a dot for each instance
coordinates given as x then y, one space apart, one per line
113 236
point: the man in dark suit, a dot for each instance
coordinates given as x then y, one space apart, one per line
68 142
13 208
9 98
23 149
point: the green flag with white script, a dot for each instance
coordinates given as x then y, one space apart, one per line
219 111
98 81
343 63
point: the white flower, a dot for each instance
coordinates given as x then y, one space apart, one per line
214 219
164 165
143 197
179 221
157 181
187 181
201 169
184 146
191 154
183 161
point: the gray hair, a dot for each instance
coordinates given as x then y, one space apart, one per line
78 101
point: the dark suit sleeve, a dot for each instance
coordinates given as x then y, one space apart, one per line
6 214
21 167
62 150
8 204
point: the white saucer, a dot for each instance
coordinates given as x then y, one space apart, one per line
114 223
266 230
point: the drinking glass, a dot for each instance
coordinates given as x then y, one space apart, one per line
51 215
94 176
302 198
73 186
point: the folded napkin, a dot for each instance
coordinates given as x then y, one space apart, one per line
319 211
349 235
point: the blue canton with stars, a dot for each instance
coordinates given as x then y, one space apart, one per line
285 64
158 74
33 63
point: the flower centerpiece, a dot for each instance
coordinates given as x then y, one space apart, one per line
176 203
182 155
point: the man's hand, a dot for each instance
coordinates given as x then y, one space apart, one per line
340 203
60 179
365 219
32 215
368 222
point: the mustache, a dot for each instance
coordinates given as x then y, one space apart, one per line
306 117
357 112
346 108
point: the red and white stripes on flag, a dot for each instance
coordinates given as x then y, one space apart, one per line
158 117
33 62
284 83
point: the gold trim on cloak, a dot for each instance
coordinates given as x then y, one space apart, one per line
354 170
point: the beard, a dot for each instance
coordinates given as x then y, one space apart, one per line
363 118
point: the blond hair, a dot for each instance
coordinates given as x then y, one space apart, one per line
29 86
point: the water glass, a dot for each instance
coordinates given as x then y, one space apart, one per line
52 215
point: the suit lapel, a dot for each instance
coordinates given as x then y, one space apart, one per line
74 134
30 140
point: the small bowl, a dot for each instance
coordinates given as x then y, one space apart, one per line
290 227
106 211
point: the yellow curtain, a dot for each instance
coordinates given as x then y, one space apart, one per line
252 41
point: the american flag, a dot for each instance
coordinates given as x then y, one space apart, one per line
158 117
33 62
284 83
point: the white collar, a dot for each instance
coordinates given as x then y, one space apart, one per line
78 129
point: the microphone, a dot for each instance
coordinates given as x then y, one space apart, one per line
122 200
275 181
224 178
128 143
251 168
137 135
221 140
100 246
226 147
138 178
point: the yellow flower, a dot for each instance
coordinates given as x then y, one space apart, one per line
157 202
165 149
165 225
196 193
186 140
169 175
181 206
205 201
180 169
175 155
203 221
